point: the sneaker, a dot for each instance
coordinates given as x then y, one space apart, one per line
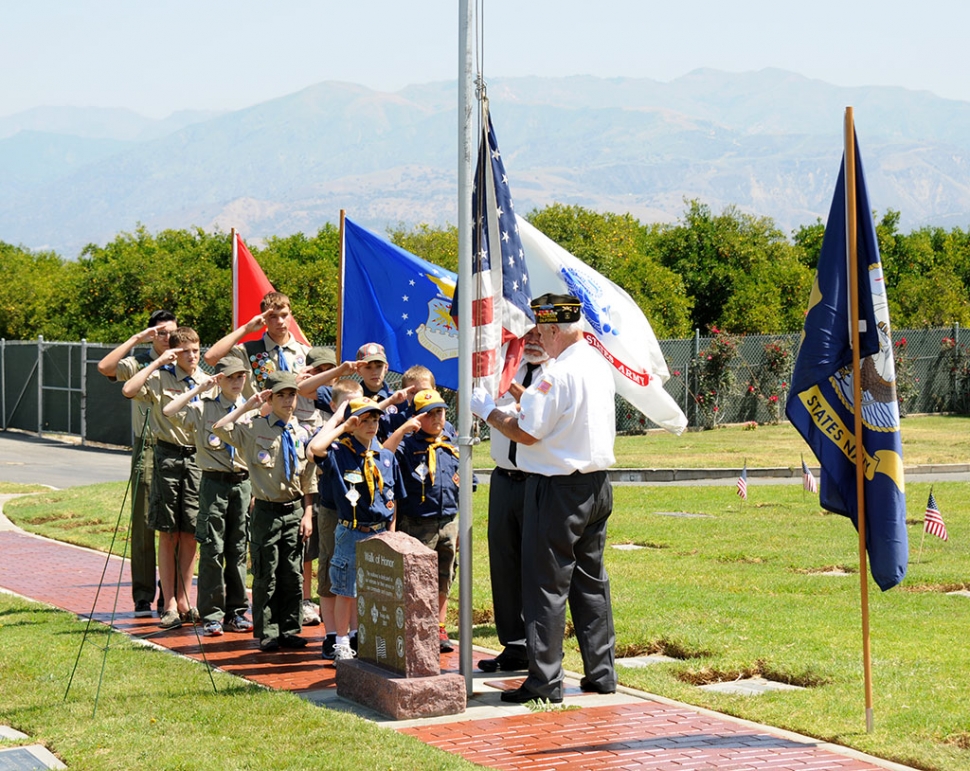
170 620
311 616
329 643
444 644
342 653
239 624
191 616
143 609
212 629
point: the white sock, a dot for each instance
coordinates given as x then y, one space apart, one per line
343 640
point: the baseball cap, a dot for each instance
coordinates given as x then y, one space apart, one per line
371 352
362 405
230 365
280 380
427 400
319 355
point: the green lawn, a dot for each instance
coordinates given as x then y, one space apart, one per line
737 592
159 711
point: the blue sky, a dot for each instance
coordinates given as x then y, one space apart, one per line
159 57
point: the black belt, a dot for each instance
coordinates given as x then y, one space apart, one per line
175 449
513 474
282 508
229 477
363 528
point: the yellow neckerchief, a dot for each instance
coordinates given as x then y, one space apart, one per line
434 442
371 472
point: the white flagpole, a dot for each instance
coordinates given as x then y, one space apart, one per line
466 153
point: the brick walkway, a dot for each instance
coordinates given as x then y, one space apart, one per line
628 730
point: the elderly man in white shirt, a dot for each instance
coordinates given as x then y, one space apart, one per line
567 421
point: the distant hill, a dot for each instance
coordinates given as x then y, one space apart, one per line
768 142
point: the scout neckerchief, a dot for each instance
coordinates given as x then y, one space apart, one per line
289 449
433 442
372 474
188 379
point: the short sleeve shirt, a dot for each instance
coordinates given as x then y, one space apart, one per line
342 469
162 386
212 452
570 410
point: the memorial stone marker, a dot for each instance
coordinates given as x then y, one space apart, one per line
398 669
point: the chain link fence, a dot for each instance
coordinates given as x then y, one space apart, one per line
55 387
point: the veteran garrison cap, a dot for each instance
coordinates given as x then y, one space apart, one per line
556 309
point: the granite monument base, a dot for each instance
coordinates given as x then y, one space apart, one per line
400 698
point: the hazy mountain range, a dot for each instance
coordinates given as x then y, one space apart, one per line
768 142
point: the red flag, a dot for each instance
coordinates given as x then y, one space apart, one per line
249 286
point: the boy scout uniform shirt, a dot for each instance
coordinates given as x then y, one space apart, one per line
570 409
126 370
262 359
212 453
436 497
162 386
342 461
261 445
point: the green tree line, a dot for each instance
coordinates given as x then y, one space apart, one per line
729 270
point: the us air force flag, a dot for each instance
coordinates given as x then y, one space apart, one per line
394 298
822 408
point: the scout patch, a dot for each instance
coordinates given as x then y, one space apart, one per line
544 386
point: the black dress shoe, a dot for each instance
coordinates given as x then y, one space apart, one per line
591 687
522 695
292 641
504 662
269 644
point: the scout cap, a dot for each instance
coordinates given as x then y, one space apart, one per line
371 352
362 405
319 355
280 380
556 309
230 365
427 400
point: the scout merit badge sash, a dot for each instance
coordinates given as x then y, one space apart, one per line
372 474
264 362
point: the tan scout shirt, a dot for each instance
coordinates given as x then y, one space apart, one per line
126 369
160 388
260 444
212 453
261 359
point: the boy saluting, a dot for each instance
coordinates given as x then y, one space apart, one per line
364 482
224 496
274 449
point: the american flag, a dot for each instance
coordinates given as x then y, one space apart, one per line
808 480
500 304
743 483
933 521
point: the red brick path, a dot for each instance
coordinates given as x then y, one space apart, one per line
644 735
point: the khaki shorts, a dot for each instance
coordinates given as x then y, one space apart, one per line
174 506
439 535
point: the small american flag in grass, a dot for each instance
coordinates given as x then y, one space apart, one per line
808 480
743 483
933 521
